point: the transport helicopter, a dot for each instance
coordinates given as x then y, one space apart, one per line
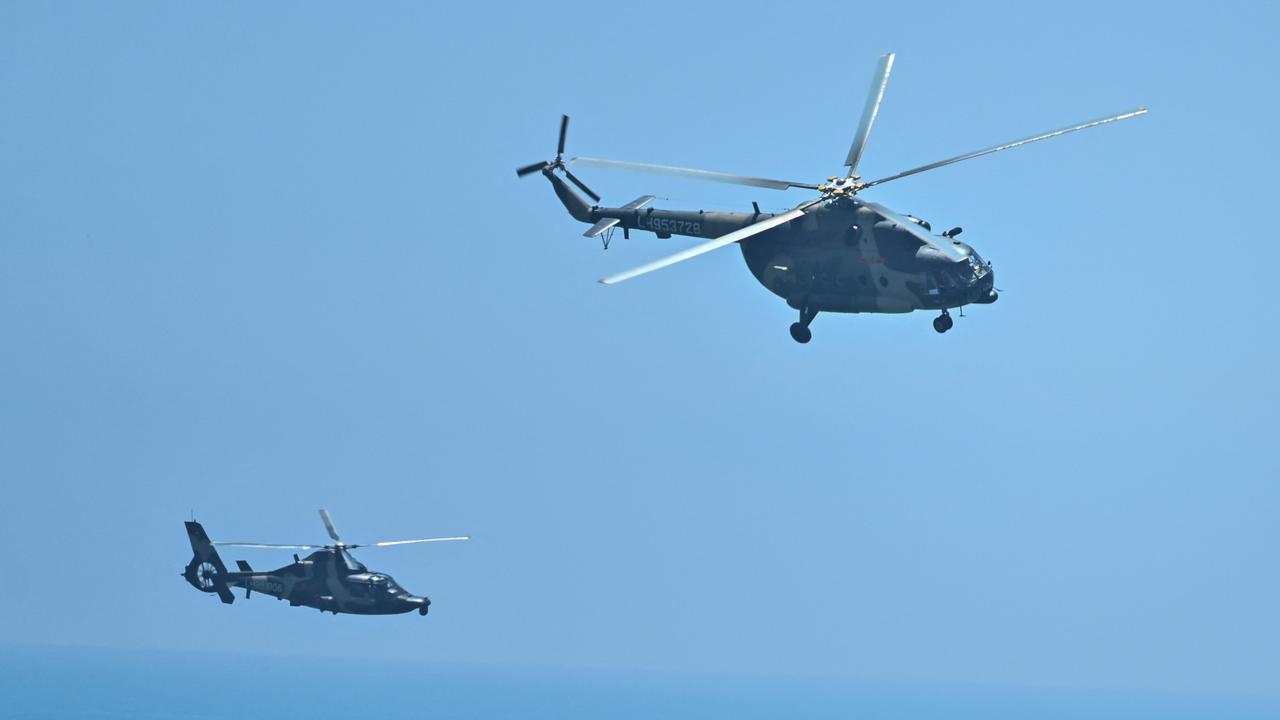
837 252
327 579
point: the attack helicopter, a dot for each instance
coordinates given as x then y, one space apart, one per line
837 252
329 579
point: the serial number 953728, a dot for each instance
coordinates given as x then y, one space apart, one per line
669 225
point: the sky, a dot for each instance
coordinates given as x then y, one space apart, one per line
260 260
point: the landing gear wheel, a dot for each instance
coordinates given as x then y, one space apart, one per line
800 330
801 333
943 322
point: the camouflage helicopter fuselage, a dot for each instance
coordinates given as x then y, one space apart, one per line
328 579
836 253
844 256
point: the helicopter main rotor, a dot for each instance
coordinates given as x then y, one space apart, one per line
338 543
836 188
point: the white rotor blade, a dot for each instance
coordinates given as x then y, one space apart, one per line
875 95
1007 146
941 244
268 545
328 525
410 542
707 247
692 172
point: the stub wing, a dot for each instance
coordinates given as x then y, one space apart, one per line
599 228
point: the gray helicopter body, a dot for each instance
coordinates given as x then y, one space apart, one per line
843 255
834 253
846 258
329 579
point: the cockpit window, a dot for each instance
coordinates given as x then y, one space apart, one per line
963 274
980 269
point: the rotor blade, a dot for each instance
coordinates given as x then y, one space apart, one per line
876 94
1007 146
268 545
581 185
564 130
942 245
410 542
531 168
328 525
693 173
707 247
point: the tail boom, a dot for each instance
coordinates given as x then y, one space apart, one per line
637 215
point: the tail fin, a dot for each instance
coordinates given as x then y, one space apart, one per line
573 202
206 572
577 207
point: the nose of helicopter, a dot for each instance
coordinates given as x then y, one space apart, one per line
986 288
421 603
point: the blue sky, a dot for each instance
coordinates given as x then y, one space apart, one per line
257 261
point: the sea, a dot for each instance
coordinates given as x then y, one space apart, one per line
43 682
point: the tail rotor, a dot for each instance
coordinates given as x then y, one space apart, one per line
558 163
206 577
205 572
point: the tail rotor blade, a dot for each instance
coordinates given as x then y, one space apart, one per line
564 130
532 168
581 186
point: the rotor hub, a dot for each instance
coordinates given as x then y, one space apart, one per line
836 187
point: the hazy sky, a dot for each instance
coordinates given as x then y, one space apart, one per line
259 260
